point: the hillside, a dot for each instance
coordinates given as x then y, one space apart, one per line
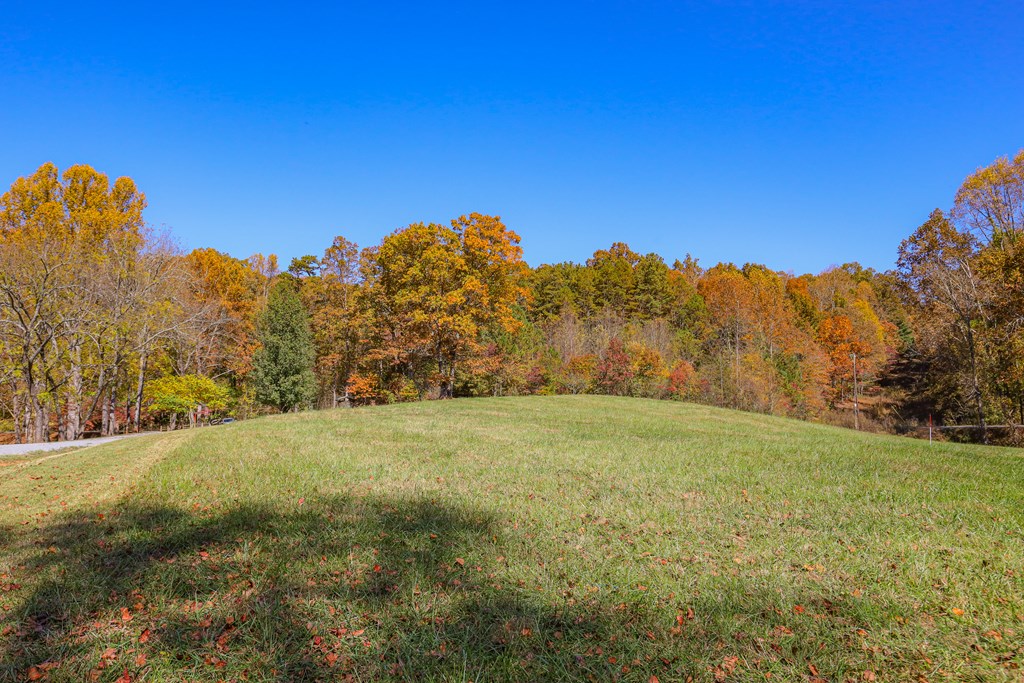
539 538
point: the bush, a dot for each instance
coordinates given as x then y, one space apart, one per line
192 395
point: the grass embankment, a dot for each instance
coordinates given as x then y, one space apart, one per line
562 538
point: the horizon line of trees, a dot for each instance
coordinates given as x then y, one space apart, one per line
106 326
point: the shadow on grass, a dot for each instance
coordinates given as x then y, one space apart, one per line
338 588
332 586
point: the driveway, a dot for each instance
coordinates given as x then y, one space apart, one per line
25 448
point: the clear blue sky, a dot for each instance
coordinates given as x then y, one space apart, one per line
792 134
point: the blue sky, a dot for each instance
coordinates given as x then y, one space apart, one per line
794 134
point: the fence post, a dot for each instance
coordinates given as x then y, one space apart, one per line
929 427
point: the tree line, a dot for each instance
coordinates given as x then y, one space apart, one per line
106 326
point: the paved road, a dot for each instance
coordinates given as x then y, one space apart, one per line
23 448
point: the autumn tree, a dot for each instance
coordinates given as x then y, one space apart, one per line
990 202
337 321
70 246
990 205
224 298
432 289
939 266
579 374
728 297
648 375
614 370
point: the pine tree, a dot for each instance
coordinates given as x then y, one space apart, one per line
282 374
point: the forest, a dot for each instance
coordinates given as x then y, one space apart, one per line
107 326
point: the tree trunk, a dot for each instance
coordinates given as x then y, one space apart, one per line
112 423
104 416
37 414
42 433
16 413
138 393
74 412
721 381
736 369
978 403
60 415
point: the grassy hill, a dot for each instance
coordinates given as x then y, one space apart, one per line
541 538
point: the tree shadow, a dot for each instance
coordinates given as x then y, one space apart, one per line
247 590
359 588
336 589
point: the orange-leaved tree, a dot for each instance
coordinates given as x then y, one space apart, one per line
430 291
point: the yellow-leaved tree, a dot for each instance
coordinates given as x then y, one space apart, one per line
431 290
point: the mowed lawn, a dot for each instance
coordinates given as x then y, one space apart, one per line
514 539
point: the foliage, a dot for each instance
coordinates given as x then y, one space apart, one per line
431 291
682 381
282 373
614 370
95 306
186 395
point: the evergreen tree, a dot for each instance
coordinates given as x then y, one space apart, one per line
282 374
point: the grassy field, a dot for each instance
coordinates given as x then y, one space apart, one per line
541 538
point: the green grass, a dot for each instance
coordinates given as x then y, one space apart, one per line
541 538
